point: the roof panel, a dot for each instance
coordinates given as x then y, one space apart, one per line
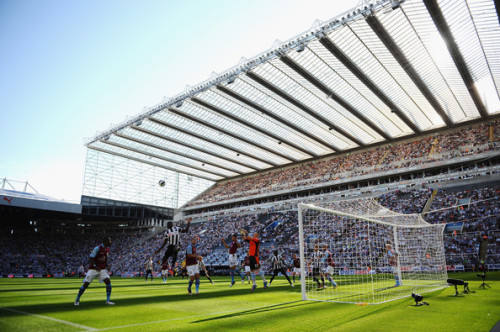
263 97
203 153
475 28
425 49
326 68
218 135
363 46
381 73
100 146
245 114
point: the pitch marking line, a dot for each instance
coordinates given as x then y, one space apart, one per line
181 318
86 328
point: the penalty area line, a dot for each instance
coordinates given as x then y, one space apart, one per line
185 317
86 328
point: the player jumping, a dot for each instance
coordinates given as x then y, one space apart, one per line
253 256
172 238
98 267
233 258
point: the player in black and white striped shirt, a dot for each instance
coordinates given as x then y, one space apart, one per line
172 238
278 266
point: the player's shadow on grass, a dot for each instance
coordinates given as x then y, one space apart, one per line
268 308
48 308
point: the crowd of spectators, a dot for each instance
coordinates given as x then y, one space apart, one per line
478 209
441 146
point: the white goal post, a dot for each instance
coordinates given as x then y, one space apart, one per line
357 251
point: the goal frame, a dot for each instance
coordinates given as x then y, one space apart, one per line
303 206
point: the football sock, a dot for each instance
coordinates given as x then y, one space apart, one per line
232 275
80 292
253 278
108 292
294 278
190 284
323 281
263 276
197 284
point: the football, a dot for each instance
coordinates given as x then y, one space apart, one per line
161 183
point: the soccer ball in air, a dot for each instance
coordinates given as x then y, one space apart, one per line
161 183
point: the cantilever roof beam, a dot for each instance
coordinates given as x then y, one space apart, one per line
228 133
396 52
156 146
302 107
275 117
444 30
193 146
328 92
368 82
148 162
252 126
125 147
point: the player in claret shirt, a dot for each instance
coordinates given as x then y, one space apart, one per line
98 267
192 259
164 272
233 258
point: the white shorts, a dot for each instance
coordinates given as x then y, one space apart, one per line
232 260
296 270
192 270
329 270
247 268
164 272
91 274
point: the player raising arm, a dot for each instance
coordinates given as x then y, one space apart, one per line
253 256
233 258
98 267
172 238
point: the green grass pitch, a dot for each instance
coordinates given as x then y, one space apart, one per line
47 305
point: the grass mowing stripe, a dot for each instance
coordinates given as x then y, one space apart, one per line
87 328
188 317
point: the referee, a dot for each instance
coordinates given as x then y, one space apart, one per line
172 238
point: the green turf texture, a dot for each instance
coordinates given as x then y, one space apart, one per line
145 306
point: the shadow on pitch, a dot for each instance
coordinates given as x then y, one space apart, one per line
47 308
268 308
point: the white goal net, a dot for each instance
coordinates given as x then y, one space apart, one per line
357 251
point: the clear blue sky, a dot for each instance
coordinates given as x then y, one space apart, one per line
69 69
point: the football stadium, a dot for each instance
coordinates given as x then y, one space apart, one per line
346 179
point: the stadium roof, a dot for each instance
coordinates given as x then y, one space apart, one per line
382 71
